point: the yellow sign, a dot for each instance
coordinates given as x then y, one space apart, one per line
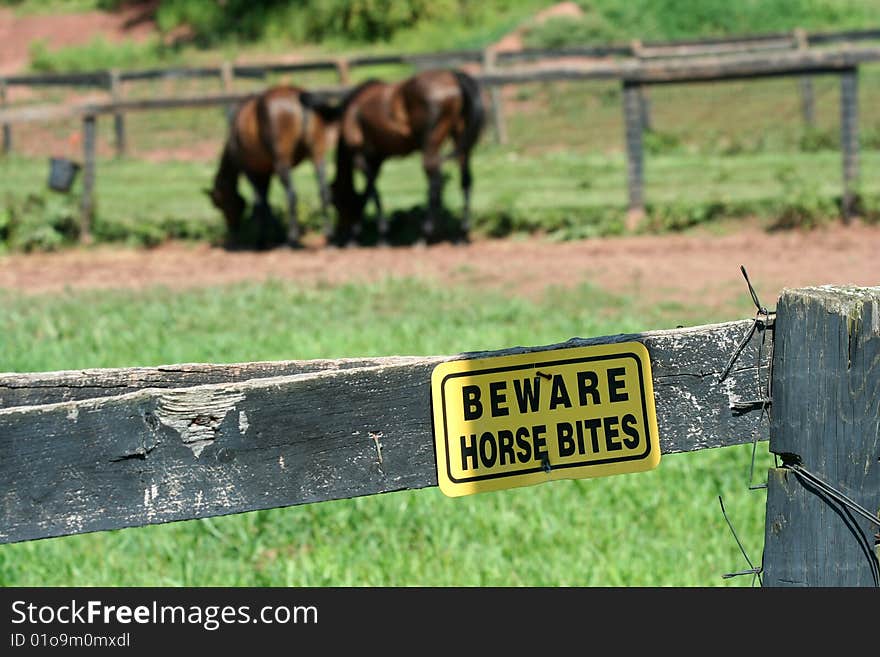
509 421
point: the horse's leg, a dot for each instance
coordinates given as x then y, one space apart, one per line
282 170
262 211
431 162
372 192
355 227
324 191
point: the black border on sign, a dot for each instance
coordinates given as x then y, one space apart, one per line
568 361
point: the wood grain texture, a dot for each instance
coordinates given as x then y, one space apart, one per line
826 417
158 455
38 388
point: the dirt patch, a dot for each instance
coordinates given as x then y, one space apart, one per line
514 39
133 22
698 270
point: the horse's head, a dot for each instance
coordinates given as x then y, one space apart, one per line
230 203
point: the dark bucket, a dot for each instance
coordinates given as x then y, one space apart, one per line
62 173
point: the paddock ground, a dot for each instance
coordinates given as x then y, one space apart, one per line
696 268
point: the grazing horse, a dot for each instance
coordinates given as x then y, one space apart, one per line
270 134
381 120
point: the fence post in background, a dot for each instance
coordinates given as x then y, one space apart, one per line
118 118
495 99
227 74
849 140
87 206
644 97
7 129
635 156
808 97
823 427
343 70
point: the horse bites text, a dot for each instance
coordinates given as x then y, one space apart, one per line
530 418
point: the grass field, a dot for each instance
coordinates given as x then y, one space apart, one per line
565 194
715 151
661 528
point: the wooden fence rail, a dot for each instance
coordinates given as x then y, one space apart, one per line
114 82
93 450
293 433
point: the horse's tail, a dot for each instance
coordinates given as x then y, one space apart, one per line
264 125
473 112
328 111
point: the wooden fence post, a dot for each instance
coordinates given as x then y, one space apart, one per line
343 70
644 97
824 419
495 99
116 93
635 156
808 97
227 75
849 140
7 129
87 207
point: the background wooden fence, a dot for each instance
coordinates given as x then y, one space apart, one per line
115 81
94 450
634 74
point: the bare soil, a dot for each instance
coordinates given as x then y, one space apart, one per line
699 270
133 22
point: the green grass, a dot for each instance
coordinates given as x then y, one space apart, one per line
566 194
715 151
660 528
323 27
662 20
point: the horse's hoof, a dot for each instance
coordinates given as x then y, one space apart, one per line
350 244
294 244
383 243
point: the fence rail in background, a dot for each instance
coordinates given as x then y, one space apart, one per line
145 446
634 75
114 82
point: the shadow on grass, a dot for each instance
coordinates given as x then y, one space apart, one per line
404 229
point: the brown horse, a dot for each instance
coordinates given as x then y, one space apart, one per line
381 120
270 134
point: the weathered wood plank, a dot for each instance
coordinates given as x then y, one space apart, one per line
635 154
704 49
156 456
826 418
849 140
701 69
87 201
90 79
38 388
496 101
